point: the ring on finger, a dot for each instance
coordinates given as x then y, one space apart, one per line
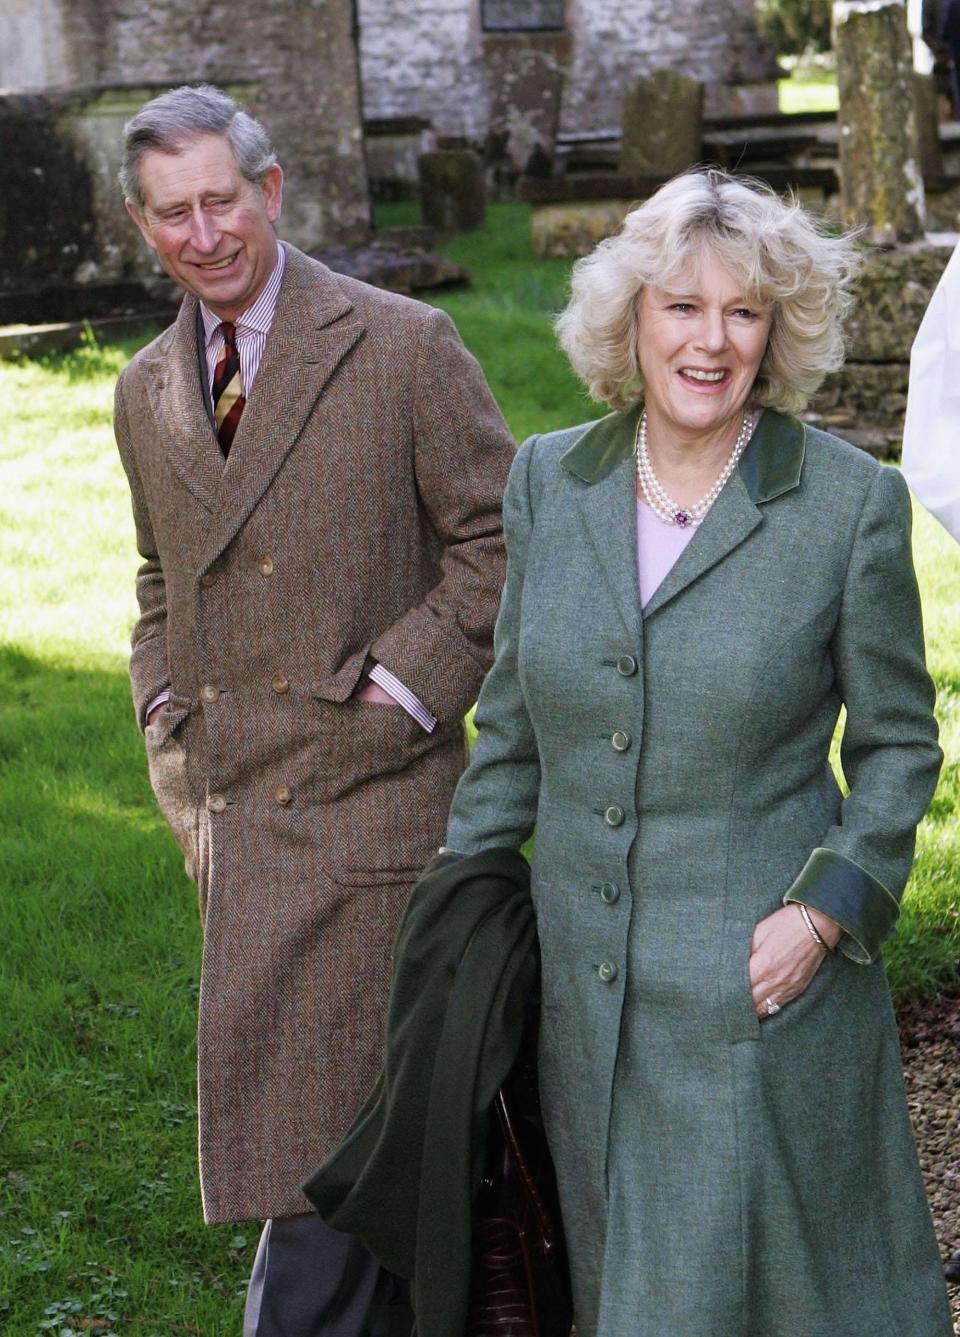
772 1006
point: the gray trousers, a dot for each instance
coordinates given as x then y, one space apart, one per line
309 1280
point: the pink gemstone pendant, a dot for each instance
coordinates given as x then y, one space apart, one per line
681 518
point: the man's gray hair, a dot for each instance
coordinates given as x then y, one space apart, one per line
169 122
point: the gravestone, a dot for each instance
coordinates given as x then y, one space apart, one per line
452 195
525 75
662 124
881 186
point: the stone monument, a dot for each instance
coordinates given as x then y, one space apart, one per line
881 185
662 124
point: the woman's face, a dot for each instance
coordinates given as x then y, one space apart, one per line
699 347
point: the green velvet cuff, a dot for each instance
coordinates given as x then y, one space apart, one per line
847 894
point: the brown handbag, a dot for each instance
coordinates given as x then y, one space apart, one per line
520 1280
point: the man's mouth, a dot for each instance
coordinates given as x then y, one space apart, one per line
218 264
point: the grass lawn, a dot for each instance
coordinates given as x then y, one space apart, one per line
100 1225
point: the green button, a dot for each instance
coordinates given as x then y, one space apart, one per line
614 815
607 971
610 893
627 666
621 740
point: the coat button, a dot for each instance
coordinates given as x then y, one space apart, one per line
610 893
208 692
207 579
607 971
216 803
626 666
614 815
265 566
621 740
283 794
280 684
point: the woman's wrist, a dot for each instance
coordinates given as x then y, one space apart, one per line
826 928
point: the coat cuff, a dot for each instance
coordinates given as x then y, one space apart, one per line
852 898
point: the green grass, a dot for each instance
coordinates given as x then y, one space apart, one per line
99 1210
811 85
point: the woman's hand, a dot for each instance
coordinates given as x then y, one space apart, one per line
784 956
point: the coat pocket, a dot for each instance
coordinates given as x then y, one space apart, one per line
736 999
167 766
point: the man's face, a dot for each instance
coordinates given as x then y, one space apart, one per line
212 229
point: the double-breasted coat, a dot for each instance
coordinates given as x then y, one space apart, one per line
356 519
719 1175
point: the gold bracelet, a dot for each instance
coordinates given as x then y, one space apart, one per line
815 933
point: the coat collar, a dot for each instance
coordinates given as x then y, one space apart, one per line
314 328
602 458
771 464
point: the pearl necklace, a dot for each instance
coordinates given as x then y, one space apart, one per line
658 499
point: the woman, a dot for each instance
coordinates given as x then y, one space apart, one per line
697 583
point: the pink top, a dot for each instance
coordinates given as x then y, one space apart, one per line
658 547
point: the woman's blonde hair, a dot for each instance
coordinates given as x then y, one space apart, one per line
780 254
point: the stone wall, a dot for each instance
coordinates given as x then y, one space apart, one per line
425 60
296 63
434 62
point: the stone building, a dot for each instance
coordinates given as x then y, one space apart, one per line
511 67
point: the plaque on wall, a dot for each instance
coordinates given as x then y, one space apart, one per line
521 15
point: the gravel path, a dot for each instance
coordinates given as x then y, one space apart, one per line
930 1036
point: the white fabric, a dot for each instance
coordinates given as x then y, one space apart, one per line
931 433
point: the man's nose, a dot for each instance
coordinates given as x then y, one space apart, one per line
204 234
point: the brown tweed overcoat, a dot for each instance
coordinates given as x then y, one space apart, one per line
357 519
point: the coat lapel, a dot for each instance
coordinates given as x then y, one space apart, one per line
603 458
314 329
185 431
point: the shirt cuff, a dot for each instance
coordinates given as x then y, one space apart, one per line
160 700
403 696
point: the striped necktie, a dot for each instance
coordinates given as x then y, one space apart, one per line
228 400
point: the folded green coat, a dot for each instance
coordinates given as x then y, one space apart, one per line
403 1179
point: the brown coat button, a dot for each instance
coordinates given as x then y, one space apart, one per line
283 794
208 692
216 803
280 684
207 579
265 566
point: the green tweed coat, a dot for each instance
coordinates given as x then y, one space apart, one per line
719 1176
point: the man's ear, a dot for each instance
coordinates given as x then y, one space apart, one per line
272 188
141 223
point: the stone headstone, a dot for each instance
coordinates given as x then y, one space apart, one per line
881 185
662 124
452 195
525 74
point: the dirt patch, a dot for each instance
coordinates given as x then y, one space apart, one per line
930 1039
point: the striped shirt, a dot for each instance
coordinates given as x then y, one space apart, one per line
253 326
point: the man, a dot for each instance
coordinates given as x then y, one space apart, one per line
316 470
